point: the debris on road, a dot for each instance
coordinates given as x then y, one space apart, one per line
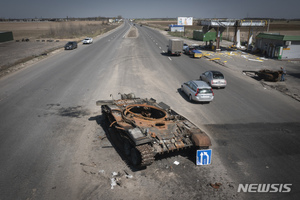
215 185
116 179
176 162
83 164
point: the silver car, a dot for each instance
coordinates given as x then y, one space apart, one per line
214 78
198 91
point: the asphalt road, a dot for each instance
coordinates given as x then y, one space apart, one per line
53 145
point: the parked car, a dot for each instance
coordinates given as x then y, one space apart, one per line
185 46
188 50
198 91
196 53
214 79
87 41
71 45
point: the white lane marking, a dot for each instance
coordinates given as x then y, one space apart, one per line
169 58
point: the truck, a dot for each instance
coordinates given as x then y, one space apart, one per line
175 47
142 129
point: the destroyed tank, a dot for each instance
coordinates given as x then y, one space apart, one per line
143 128
267 75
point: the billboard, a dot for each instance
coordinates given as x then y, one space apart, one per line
186 21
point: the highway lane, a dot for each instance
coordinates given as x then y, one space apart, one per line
255 130
37 106
46 131
243 101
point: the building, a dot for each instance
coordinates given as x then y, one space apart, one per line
6 36
176 28
278 46
206 37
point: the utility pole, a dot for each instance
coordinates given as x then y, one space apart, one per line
218 39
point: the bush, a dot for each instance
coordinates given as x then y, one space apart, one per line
68 30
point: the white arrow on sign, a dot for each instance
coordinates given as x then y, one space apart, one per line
201 158
205 153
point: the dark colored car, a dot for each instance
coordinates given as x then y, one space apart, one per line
71 45
189 50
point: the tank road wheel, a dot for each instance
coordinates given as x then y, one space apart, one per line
135 157
127 148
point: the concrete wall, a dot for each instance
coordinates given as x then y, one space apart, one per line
291 51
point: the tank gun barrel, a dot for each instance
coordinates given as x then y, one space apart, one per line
250 71
104 102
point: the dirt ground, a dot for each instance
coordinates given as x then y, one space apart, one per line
17 54
39 30
14 55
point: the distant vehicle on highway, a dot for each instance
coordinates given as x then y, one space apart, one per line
198 91
71 45
87 41
214 78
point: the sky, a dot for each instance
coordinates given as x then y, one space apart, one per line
134 9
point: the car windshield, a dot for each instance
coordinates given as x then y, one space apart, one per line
205 91
218 76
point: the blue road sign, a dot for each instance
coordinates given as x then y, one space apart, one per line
203 157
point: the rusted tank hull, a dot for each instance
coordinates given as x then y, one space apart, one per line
267 75
146 128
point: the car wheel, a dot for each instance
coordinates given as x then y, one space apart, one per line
190 98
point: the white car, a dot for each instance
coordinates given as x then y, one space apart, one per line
87 41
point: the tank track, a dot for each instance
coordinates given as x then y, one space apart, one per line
147 154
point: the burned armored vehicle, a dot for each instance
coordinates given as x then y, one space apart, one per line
267 75
143 128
